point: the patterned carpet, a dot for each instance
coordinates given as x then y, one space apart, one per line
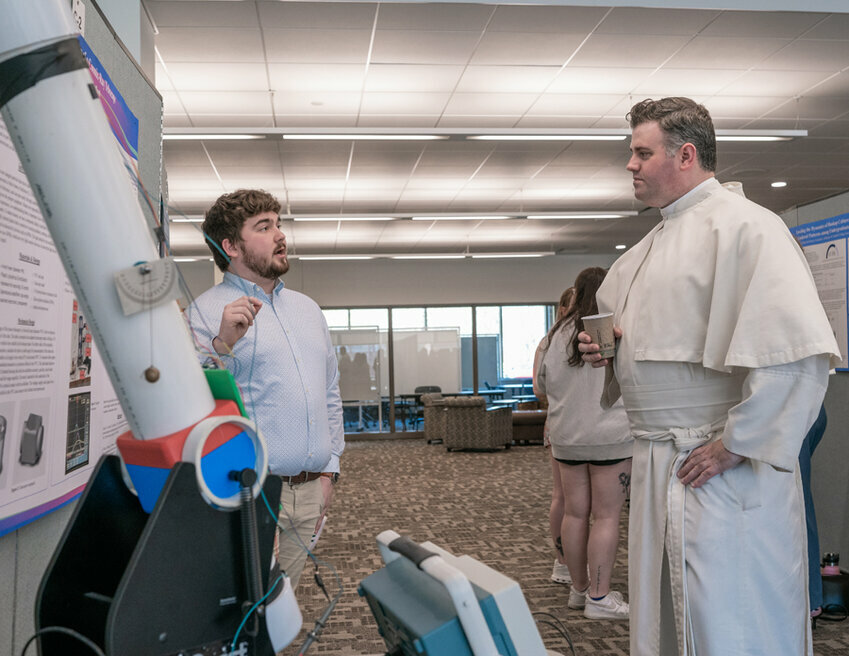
492 506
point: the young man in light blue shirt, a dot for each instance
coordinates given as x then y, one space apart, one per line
276 343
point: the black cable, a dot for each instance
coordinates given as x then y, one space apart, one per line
61 629
557 625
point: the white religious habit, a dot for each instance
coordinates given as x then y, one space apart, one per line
724 337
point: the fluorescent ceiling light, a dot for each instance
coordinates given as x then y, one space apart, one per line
752 137
365 137
778 184
548 137
428 257
759 135
585 215
334 257
210 136
350 217
187 220
482 256
468 217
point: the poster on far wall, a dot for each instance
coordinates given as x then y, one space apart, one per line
824 243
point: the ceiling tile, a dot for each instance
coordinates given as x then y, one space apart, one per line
412 77
773 83
472 121
506 79
423 47
192 44
576 79
317 46
403 103
316 102
552 104
223 102
726 53
679 82
234 76
810 55
436 16
672 22
749 24
541 19
397 121
317 15
606 50
525 48
202 14
486 103
832 26
316 77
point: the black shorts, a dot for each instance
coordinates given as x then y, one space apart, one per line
597 463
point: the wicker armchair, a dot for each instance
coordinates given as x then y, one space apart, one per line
469 424
434 417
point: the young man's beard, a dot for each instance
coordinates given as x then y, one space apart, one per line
268 270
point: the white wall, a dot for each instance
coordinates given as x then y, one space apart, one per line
370 283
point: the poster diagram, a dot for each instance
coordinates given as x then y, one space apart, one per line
80 349
79 425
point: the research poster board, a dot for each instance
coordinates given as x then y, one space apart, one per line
58 411
825 244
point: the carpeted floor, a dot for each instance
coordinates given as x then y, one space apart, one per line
492 506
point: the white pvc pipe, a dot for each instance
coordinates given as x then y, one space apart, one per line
71 159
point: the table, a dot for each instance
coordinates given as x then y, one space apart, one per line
489 394
506 402
518 388
366 403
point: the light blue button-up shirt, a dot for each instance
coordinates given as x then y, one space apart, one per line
285 366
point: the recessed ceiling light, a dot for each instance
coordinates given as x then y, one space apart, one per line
778 184
621 247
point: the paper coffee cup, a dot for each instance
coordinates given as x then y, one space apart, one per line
600 328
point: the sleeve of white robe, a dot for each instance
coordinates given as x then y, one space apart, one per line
780 404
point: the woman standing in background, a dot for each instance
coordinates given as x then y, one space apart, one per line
592 448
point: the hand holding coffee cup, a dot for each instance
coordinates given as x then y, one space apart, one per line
599 327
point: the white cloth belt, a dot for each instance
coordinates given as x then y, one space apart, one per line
684 438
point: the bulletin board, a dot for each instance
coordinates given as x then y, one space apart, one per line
825 245
58 411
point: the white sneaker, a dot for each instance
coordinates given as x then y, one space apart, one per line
609 607
560 573
577 599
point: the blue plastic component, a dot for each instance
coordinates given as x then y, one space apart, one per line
234 455
148 482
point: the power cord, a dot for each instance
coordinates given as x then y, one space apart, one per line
61 629
321 622
557 625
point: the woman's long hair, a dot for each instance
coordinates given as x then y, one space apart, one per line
584 304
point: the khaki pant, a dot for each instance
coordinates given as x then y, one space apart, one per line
300 507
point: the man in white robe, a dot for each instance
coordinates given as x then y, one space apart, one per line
722 363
